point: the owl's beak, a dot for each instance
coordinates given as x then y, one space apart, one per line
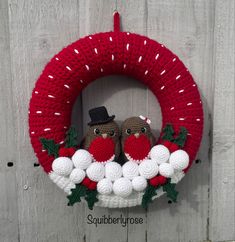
104 136
137 135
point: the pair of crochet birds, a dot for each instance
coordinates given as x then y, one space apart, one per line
106 142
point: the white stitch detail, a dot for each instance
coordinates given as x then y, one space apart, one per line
110 38
178 77
194 85
76 51
32 132
189 104
96 51
38 111
50 76
67 86
81 81
162 45
124 66
47 129
36 92
162 72
127 33
181 119
146 72
172 108
198 119
145 42
65 127
57 114
90 37
127 46
57 58
112 57
51 96
68 68
61 142
140 58
157 55
162 87
43 150
174 60
68 102
87 67
182 90
101 69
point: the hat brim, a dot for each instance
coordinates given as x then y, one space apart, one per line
111 118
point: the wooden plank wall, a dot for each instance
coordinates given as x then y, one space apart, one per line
201 33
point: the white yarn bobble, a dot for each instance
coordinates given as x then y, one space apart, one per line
122 187
62 166
113 170
160 154
166 170
130 170
148 169
179 160
82 159
77 175
95 171
139 183
105 186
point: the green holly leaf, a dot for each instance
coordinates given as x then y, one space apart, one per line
169 188
71 139
51 147
168 133
181 138
148 195
91 198
78 192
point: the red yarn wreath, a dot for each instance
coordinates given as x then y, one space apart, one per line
103 54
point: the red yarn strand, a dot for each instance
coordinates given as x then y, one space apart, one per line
116 21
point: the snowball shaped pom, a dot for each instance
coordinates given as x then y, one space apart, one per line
82 159
159 153
62 166
179 160
77 175
166 170
95 171
139 183
105 186
122 187
148 169
113 170
130 170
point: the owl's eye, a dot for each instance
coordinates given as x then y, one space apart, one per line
128 131
112 133
143 130
96 131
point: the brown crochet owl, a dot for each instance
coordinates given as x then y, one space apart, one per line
136 138
102 138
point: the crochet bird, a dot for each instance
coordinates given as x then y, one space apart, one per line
102 138
136 138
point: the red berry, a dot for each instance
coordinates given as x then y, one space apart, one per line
173 147
71 151
86 182
154 181
64 152
161 180
92 185
167 143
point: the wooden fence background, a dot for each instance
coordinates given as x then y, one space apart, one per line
201 33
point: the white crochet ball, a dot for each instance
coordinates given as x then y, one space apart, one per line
160 154
179 160
62 166
148 169
77 175
166 169
122 187
113 170
130 170
95 171
82 159
105 186
139 183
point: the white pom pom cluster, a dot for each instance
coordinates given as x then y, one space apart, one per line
121 180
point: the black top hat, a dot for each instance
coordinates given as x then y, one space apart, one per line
99 115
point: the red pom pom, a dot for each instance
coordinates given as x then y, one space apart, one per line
92 185
71 151
161 180
64 152
137 148
154 181
167 144
173 147
102 149
86 182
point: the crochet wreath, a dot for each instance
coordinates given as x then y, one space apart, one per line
74 169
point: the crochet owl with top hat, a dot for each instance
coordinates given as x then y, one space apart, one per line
137 138
102 138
